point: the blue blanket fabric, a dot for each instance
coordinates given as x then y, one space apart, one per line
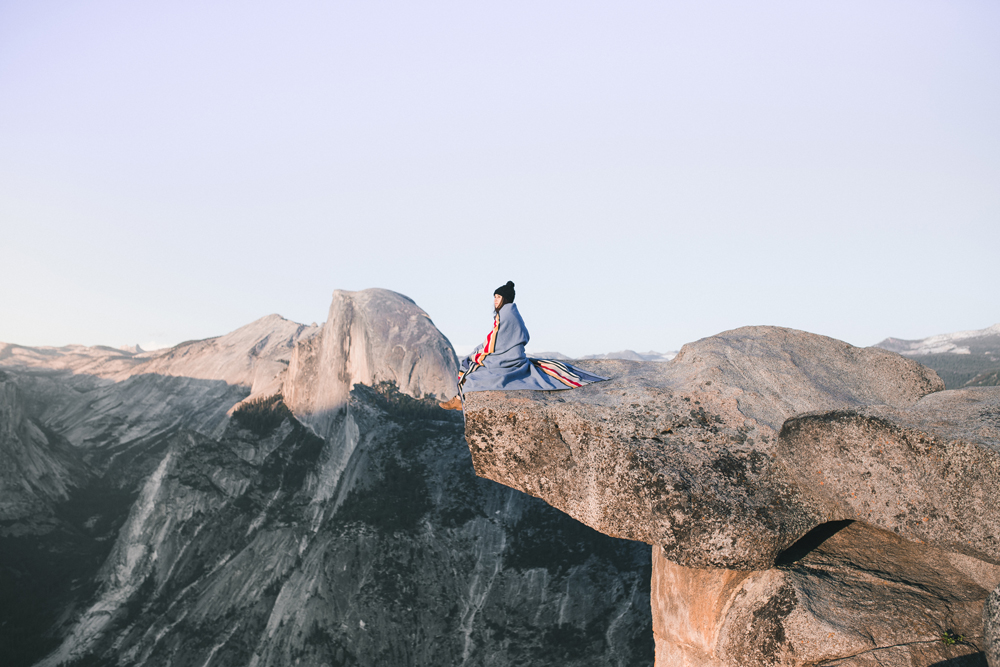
505 367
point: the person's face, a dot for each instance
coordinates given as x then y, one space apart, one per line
496 301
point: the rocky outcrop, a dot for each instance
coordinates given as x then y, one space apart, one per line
684 454
809 502
859 596
928 473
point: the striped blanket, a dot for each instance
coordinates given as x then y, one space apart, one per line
500 364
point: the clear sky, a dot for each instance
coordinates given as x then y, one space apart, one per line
648 173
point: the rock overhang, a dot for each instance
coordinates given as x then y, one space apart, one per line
690 455
644 464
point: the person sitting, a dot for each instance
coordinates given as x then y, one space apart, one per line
500 364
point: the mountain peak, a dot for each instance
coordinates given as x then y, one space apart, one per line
370 336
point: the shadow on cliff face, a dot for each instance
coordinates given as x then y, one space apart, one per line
47 576
918 604
378 546
810 542
51 559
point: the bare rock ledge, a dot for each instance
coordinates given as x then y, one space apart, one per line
809 502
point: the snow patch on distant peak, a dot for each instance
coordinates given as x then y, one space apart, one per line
949 343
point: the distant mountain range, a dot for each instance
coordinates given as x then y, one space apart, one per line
962 359
631 355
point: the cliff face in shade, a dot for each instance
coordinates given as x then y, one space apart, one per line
370 336
808 502
102 397
37 468
409 559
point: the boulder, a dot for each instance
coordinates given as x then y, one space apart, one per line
929 472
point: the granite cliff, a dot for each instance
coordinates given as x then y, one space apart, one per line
808 502
285 494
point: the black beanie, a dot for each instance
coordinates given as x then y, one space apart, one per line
506 291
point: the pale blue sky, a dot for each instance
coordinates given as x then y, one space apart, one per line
648 173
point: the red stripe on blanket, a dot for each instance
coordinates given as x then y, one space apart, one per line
490 345
555 372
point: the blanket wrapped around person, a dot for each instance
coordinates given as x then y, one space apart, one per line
500 364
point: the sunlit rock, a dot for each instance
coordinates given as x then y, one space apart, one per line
809 502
